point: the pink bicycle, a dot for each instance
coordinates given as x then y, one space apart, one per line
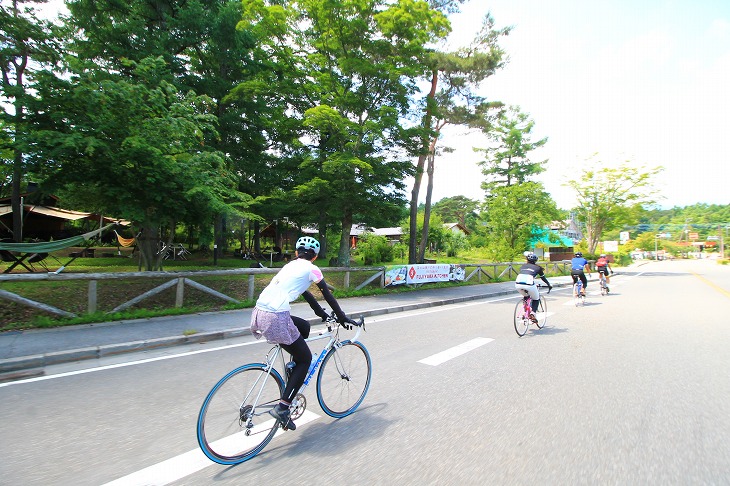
524 315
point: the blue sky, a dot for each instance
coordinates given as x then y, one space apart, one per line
640 81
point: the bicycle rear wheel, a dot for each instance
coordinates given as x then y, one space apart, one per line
522 319
541 312
234 422
577 294
344 379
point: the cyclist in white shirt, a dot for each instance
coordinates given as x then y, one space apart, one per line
271 317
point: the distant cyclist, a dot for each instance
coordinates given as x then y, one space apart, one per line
603 267
525 282
272 320
578 266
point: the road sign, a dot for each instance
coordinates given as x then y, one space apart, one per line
694 236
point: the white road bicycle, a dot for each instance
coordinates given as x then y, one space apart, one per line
234 422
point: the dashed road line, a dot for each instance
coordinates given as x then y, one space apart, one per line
456 351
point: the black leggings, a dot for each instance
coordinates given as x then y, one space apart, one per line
301 355
576 274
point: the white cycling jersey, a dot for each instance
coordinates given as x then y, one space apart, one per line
292 280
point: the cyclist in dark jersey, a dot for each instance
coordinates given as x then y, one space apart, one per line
578 265
525 282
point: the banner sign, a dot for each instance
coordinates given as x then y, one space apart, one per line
423 273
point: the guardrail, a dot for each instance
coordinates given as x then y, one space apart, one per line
179 280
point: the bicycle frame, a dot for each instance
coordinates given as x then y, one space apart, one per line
333 342
270 365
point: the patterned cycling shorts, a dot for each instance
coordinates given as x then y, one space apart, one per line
276 327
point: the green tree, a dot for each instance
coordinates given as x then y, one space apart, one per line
453 78
353 72
459 209
517 214
203 51
509 163
609 197
139 154
27 46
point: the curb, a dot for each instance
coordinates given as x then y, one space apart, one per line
27 366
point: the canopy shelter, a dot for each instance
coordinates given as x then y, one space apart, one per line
46 222
28 252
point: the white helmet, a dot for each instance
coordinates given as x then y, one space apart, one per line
308 243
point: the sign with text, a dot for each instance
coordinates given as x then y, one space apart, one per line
694 236
425 273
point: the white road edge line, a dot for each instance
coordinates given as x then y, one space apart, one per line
452 353
183 465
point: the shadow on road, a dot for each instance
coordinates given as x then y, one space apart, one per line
321 437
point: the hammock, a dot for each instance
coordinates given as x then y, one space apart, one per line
125 242
50 246
28 251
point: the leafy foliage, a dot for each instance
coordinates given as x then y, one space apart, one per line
516 214
509 163
610 197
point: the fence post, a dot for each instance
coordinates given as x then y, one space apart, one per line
180 292
346 282
92 296
251 282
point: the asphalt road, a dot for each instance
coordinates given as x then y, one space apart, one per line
632 388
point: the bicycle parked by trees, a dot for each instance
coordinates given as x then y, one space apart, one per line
234 423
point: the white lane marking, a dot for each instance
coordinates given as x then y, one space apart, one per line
452 353
188 463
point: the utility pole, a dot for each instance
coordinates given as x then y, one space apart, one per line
722 242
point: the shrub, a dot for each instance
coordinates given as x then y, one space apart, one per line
374 249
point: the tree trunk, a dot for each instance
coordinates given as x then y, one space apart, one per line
343 258
148 244
256 237
323 247
17 175
427 208
413 218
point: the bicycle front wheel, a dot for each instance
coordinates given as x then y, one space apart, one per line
344 379
522 319
541 312
234 422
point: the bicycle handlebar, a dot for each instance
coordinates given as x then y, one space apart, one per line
332 319
549 287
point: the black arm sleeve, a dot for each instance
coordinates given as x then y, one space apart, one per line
312 301
341 316
544 279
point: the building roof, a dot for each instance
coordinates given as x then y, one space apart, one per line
456 226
